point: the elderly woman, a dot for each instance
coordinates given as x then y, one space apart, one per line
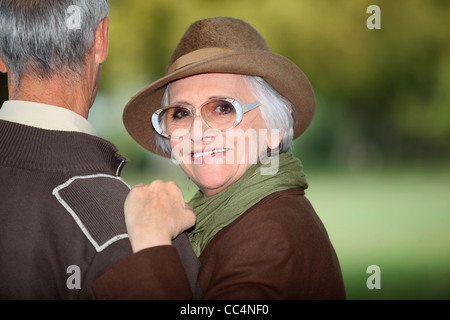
227 111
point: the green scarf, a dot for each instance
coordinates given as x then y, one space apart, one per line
216 212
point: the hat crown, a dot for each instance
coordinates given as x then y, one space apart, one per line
226 33
221 45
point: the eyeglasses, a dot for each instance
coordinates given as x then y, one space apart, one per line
222 114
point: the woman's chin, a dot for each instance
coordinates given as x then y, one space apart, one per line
209 186
211 182
213 178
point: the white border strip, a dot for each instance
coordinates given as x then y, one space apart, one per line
55 192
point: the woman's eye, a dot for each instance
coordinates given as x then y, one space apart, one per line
180 113
224 108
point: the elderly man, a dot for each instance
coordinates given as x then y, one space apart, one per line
61 195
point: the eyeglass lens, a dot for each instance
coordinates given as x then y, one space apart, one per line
218 114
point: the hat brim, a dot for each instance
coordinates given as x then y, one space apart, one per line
281 73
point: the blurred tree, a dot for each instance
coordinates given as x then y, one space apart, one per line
382 94
382 91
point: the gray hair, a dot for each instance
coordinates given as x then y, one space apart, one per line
36 36
276 111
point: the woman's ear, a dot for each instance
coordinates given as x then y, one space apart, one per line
274 138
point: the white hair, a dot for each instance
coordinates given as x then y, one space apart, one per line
276 111
35 37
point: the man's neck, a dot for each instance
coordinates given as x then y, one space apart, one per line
64 93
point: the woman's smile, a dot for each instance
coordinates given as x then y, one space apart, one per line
211 153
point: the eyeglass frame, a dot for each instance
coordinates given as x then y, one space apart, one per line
240 110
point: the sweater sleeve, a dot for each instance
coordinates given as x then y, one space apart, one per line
154 273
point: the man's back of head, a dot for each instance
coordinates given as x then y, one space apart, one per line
52 50
44 37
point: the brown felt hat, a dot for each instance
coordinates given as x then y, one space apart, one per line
221 45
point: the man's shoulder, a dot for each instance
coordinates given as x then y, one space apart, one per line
54 151
96 203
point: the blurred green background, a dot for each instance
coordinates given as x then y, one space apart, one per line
377 153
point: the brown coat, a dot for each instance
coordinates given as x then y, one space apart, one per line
278 249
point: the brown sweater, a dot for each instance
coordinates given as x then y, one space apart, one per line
61 214
278 249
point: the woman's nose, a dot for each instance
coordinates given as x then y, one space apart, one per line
200 132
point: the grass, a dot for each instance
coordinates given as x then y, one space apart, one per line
397 219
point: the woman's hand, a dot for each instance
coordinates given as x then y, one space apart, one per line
155 214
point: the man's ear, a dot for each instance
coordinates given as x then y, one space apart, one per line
101 40
3 68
